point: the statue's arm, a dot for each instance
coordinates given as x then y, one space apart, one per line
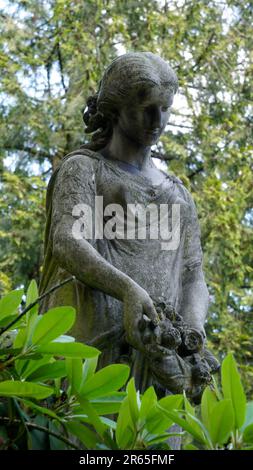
82 260
195 298
74 185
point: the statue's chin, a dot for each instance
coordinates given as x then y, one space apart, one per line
144 138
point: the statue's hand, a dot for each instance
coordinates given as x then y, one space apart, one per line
137 303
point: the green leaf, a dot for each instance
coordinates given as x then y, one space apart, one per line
151 439
89 367
94 419
221 421
190 447
30 365
176 418
188 416
42 410
65 339
148 401
248 434
32 295
249 415
8 351
75 373
37 439
10 302
105 381
56 444
170 402
31 325
49 371
108 405
32 315
20 338
157 421
74 350
52 324
133 405
200 430
108 422
208 401
11 388
6 320
3 434
233 389
125 432
104 405
88 437
20 366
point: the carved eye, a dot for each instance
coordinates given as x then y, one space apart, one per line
165 108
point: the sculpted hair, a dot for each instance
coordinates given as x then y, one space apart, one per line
121 76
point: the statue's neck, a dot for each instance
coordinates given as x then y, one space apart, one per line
122 148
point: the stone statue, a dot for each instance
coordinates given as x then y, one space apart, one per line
138 300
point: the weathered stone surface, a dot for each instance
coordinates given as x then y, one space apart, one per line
138 303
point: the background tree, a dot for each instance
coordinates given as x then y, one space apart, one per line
52 55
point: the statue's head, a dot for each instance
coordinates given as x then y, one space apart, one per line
131 83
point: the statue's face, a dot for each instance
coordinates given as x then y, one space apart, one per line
144 117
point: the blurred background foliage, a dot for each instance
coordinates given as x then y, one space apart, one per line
52 55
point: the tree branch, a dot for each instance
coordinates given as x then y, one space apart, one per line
194 173
5 419
203 53
180 125
61 66
30 306
165 158
24 148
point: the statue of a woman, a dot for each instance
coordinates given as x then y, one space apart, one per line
138 300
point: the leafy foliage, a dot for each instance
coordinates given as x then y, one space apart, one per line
52 399
224 420
43 379
53 55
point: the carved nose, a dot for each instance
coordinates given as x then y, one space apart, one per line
157 118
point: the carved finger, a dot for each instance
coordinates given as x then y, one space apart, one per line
151 313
